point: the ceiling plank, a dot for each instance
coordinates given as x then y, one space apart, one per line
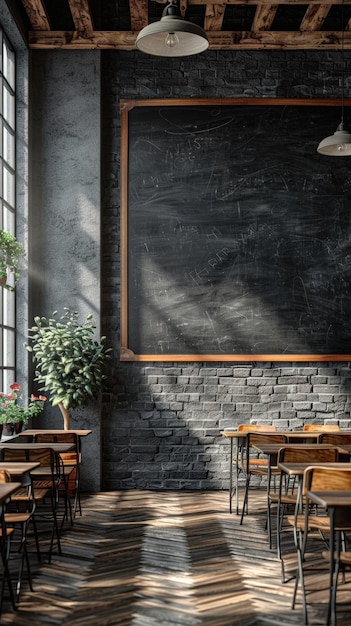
37 14
228 40
264 16
81 15
314 17
214 16
139 17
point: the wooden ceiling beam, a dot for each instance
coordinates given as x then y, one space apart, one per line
264 16
214 16
315 16
81 15
228 40
37 14
139 17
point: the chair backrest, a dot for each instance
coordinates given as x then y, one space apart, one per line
11 454
256 427
303 454
258 438
322 427
55 437
324 478
4 476
336 439
44 456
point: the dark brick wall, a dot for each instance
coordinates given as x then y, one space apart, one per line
161 422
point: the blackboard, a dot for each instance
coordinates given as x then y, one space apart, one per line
235 232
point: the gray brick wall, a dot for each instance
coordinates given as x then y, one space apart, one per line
161 422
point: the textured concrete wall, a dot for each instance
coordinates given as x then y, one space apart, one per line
64 261
161 422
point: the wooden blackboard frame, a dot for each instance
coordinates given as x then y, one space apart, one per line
126 353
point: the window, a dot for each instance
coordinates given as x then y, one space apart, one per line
7 203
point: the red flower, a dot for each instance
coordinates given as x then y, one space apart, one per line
33 397
15 387
42 398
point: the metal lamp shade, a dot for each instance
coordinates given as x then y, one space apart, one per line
338 144
189 38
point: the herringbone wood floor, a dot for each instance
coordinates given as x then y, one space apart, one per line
143 558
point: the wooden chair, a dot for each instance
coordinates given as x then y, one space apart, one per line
69 459
336 439
5 538
322 427
44 486
14 517
286 496
256 465
238 461
251 428
322 479
342 564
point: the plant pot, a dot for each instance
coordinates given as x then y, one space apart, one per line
18 427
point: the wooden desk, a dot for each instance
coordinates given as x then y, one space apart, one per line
39 431
57 447
240 437
19 470
334 502
297 469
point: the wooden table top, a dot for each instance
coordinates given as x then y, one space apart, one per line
57 447
292 434
49 431
18 468
330 499
273 448
297 469
7 490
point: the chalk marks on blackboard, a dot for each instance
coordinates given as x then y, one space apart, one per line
238 233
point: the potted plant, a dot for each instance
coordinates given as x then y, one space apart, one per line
69 362
12 413
10 253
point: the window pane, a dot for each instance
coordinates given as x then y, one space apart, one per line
9 148
9 109
9 65
9 308
8 220
7 205
9 347
8 186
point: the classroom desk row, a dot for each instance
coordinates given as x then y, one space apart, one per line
239 439
25 473
335 501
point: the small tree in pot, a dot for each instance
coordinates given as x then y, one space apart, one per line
69 362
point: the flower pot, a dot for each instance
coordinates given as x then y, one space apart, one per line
18 427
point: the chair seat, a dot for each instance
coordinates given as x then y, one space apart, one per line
345 557
17 518
315 522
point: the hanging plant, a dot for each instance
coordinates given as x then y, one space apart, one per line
11 252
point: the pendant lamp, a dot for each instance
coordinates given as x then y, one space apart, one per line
172 36
338 144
